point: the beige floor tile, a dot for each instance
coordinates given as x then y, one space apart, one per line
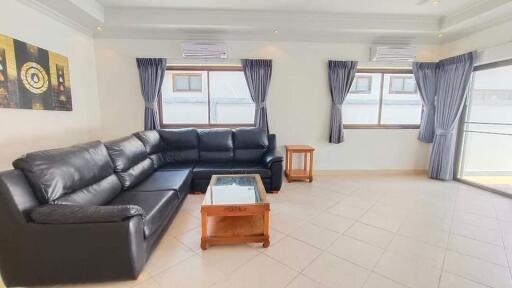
285 223
356 251
449 280
409 270
387 222
411 247
347 211
191 273
371 235
488 235
228 258
477 270
315 235
332 222
302 281
431 234
261 271
168 252
334 272
475 220
378 281
182 223
483 251
293 253
149 283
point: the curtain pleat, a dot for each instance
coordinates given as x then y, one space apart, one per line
453 76
258 73
151 74
425 75
341 76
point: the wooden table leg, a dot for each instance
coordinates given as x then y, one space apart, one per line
266 219
310 166
204 230
290 166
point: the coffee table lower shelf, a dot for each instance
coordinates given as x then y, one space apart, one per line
218 230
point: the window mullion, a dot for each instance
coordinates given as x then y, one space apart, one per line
208 93
381 96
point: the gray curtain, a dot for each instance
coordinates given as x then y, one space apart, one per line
425 75
341 76
453 76
257 74
151 74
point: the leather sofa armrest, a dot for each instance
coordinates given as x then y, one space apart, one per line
74 214
272 157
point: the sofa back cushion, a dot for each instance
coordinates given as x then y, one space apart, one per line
215 145
80 174
181 145
250 144
131 161
154 146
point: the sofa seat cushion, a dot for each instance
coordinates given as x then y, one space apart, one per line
250 168
178 166
158 206
206 170
178 180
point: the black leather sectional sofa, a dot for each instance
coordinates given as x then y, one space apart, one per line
95 211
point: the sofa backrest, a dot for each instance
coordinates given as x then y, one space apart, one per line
154 146
80 174
249 144
130 159
216 145
181 145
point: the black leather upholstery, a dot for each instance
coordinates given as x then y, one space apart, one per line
89 222
216 145
130 159
59 172
164 180
154 146
249 144
157 206
182 145
74 214
206 170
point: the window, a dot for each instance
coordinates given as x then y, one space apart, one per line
382 99
486 129
187 82
205 97
362 84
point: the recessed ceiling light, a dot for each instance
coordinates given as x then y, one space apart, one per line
440 35
99 28
276 32
435 2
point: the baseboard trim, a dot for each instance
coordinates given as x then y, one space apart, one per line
370 172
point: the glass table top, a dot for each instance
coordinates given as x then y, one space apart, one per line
235 190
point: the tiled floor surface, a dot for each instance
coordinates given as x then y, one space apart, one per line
350 232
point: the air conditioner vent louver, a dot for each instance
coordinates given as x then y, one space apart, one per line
393 54
204 50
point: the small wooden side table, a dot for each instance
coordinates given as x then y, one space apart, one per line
299 174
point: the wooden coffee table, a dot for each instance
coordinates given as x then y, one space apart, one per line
235 210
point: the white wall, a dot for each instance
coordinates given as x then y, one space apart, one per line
28 130
298 103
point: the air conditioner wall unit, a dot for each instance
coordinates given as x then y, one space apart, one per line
204 50
393 54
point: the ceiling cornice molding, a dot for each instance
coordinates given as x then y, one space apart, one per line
58 16
471 12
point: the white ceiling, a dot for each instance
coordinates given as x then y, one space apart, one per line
390 21
422 7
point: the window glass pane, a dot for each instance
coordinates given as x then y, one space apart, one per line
231 102
181 83
183 107
399 107
196 82
487 132
363 108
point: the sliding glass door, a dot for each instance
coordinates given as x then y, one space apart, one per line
485 157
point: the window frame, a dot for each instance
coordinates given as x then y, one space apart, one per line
381 96
369 90
207 69
189 75
403 78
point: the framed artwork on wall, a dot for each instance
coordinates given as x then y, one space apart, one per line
32 77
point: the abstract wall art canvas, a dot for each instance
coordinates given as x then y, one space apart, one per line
32 77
